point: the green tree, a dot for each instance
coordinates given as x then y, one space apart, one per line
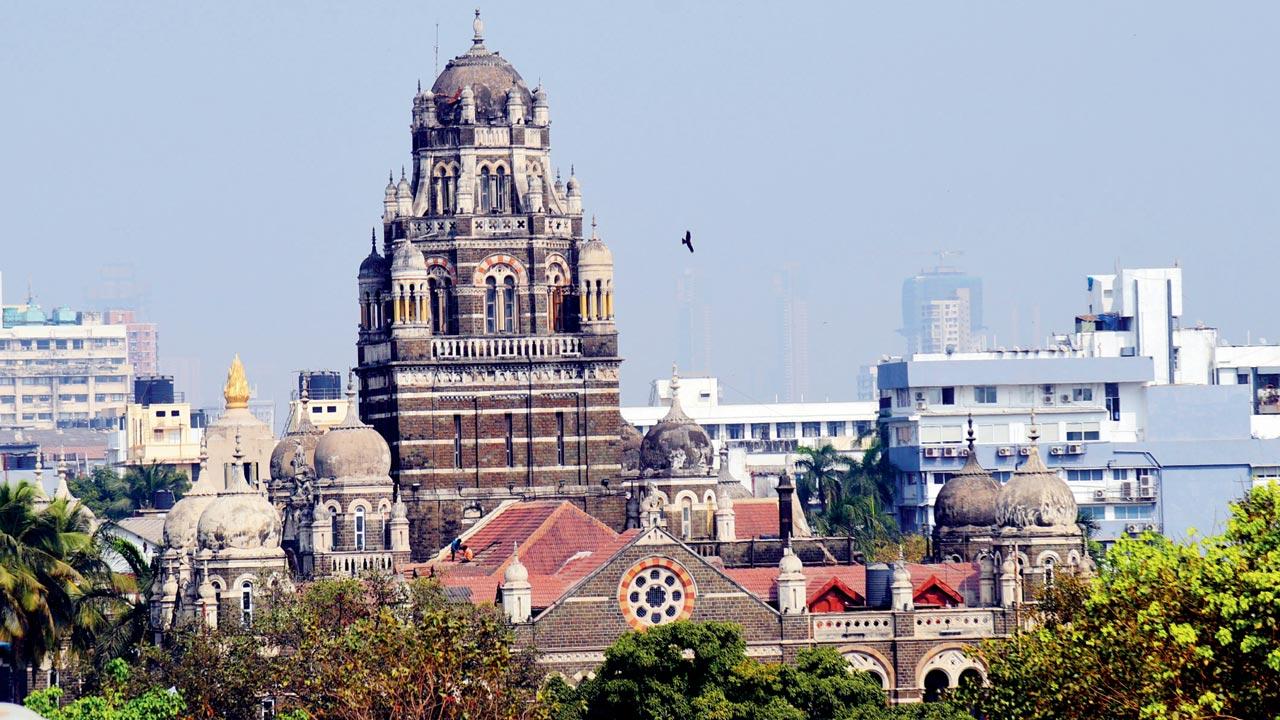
114 612
116 702
144 481
700 671
1166 630
104 492
44 557
821 473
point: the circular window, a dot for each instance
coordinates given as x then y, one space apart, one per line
655 591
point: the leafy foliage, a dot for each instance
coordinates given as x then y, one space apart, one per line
854 495
115 703
701 671
355 650
114 497
1166 630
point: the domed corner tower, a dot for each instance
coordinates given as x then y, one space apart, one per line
965 511
487 349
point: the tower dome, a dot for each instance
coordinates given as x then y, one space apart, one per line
594 253
407 260
676 445
1036 498
352 449
969 498
489 76
181 520
374 266
239 518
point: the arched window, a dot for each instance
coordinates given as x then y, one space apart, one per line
359 528
935 683
1048 571
246 604
386 532
509 304
491 305
502 190
686 518
333 528
486 191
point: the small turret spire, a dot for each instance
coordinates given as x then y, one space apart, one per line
477 28
373 240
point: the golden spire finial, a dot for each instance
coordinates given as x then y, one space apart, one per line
236 391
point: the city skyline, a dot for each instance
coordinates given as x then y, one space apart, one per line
272 207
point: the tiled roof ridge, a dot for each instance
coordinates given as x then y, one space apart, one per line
563 507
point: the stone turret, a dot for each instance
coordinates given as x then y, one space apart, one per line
792 584
517 592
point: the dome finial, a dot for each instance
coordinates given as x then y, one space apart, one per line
238 455
1033 433
373 240
593 228
236 390
204 452
675 381
970 434
477 27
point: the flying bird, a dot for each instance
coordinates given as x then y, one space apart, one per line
688 240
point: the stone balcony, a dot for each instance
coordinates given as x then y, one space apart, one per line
505 347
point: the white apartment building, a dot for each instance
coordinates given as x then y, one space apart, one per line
762 437
66 369
1153 425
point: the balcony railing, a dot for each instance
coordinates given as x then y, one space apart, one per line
505 347
852 626
352 563
955 623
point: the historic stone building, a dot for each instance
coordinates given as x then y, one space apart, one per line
487 348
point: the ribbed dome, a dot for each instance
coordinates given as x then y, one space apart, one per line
283 453
352 449
181 520
1035 497
968 499
490 78
595 254
677 445
243 520
408 260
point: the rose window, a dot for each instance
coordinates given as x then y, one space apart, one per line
654 592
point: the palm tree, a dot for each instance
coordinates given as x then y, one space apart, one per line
821 471
42 553
113 615
144 481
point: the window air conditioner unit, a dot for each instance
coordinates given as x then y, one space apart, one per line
922 405
1048 399
1099 494
1146 492
919 397
1057 450
1075 449
1133 528
949 452
1004 452
931 452
1024 451
1149 526
962 452
1126 490
1065 399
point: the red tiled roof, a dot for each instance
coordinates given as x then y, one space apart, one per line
558 542
761 582
755 518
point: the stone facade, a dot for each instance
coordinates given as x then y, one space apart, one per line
487 349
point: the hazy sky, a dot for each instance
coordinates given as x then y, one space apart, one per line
236 152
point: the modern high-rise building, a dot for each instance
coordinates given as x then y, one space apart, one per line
942 311
487 349
143 337
61 369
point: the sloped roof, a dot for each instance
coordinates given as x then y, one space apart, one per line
557 541
761 582
147 527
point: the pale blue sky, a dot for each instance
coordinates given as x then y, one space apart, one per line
235 153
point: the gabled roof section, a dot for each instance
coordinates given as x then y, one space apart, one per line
834 592
933 592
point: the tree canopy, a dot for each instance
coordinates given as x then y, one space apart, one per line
1166 630
700 671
